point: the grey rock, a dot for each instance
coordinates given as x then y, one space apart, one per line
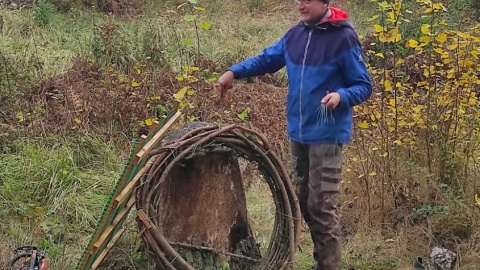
442 258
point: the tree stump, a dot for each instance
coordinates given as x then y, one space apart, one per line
202 210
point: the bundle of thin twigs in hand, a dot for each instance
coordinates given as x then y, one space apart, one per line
246 143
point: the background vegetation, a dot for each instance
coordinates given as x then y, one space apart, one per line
79 80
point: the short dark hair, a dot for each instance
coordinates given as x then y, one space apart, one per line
326 1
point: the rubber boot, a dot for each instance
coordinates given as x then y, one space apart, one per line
419 264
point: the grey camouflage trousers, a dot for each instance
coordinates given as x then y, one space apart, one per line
317 174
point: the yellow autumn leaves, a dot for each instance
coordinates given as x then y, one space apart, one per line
180 95
440 85
386 34
186 90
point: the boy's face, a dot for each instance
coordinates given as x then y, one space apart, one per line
311 11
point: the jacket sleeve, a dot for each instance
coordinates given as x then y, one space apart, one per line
270 60
355 74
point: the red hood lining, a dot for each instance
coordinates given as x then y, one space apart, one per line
337 15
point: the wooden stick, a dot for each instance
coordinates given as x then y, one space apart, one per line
107 249
167 248
130 186
158 136
158 252
112 226
229 254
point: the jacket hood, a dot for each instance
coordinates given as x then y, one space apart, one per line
337 15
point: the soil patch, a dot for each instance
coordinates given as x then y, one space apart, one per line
88 97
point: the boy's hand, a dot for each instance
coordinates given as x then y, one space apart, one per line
225 82
331 100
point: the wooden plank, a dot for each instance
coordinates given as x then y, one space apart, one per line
107 249
112 226
134 161
130 186
119 188
110 207
159 135
143 217
106 217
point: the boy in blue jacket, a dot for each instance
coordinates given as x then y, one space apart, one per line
327 76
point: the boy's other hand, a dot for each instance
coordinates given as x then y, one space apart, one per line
331 100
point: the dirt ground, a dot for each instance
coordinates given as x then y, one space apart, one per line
90 98
5 256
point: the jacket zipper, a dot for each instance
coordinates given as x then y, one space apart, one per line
301 83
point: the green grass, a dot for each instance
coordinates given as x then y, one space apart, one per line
261 212
53 46
51 195
39 49
66 36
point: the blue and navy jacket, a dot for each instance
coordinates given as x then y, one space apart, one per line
318 58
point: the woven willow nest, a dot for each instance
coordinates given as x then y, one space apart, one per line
243 142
